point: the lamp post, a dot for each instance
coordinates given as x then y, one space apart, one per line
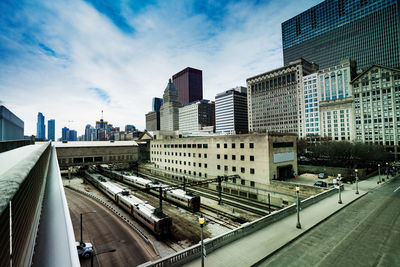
379 173
201 222
298 226
340 192
387 171
356 181
108 251
81 223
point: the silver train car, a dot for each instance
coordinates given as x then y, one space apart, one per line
159 223
178 196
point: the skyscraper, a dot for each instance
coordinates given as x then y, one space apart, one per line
189 83
64 134
156 104
169 111
194 117
365 31
72 135
40 127
88 132
51 130
231 111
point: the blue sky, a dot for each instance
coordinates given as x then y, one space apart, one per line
72 59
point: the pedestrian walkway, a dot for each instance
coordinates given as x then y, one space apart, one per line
253 248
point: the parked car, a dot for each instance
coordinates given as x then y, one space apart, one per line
85 250
321 184
348 179
321 175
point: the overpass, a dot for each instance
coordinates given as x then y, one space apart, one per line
35 225
71 154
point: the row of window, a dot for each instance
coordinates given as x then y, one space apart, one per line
242 169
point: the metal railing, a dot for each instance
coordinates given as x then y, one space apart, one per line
189 254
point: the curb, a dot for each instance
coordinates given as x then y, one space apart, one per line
306 231
126 220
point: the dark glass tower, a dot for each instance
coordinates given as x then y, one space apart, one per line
157 102
189 83
51 130
367 31
40 127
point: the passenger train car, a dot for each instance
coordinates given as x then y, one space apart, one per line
159 223
178 196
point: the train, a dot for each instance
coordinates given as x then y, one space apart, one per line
180 197
158 222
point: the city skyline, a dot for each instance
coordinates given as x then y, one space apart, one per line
70 61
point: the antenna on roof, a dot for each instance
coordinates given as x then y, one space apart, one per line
102 115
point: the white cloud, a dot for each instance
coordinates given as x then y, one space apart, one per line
132 68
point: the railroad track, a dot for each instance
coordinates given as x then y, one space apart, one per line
244 204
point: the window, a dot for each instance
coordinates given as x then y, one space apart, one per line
241 145
251 170
242 170
252 184
233 168
225 145
217 145
242 157
218 156
233 145
205 165
199 155
205 156
225 156
205 146
226 168
218 167
233 157
243 182
251 145
199 164
251 158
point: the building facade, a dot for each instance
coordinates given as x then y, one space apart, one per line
275 98
256 158
310 107
195 116
153 121
377 106
169 111
64 134
231 111
40 127
51 130
11 127
365 31
189 83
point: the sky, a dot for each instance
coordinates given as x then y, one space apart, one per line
73 59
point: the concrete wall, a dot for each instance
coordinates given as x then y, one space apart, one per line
331 171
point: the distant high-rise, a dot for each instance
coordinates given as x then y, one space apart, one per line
365 31
40 127
11 127
189 83
169 111
101 124
64 134
72 135
51 130
88 133
153 121
231 111
156 104
194 117
129 128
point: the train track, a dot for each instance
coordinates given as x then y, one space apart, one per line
244 204
216 215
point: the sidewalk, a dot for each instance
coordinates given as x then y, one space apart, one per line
254 247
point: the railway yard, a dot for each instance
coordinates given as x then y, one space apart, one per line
183 228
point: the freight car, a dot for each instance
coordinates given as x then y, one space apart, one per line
158 222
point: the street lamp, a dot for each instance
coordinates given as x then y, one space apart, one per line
356 181
379 173
201 222
91 258
340 194
81 223
387 171
298 226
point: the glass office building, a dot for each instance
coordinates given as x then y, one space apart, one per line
363 30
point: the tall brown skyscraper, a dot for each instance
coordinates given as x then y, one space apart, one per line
189 83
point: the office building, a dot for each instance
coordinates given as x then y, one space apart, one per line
194 117
310 107
153 121
156 104
365 31
11 127
189 83
101 124
169 111
64 134
40 127
129 128
51 130
275 98
231 111
377 106
72 135
256 158
89 130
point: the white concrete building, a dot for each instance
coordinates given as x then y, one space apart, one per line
194 117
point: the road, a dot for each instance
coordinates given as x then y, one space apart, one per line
106 232
366 233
